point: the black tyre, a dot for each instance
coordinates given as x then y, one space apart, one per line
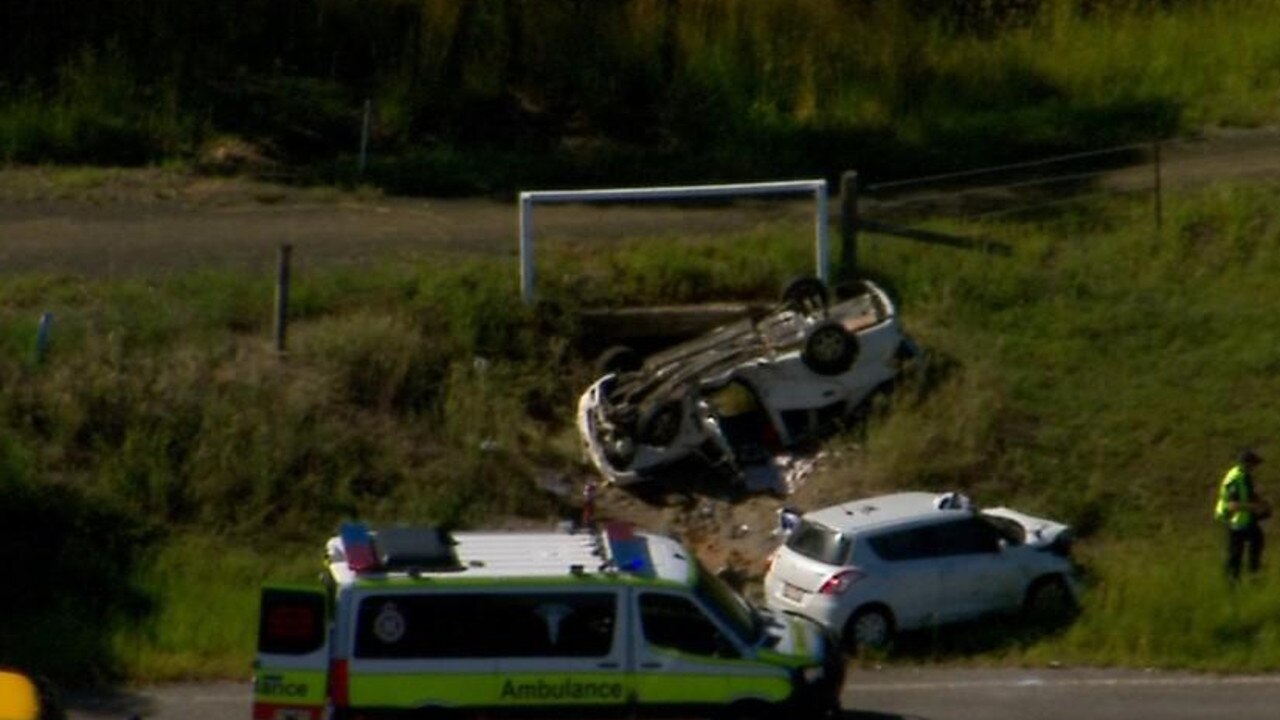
806 294
749 711
618 359
51 707
1049 601
870 628
662 425
829 349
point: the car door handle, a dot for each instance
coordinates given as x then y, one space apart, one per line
650 665
607 665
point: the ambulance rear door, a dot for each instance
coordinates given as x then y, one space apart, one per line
291 673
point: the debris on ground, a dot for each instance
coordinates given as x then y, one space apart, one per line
733 533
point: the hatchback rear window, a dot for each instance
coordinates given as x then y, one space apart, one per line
819 542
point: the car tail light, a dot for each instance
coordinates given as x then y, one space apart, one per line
339 684
841 581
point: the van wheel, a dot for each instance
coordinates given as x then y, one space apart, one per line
749 711
1048 601
870 628
829 349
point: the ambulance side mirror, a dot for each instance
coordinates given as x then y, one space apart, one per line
23 697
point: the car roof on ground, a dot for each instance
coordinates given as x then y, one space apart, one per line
867 513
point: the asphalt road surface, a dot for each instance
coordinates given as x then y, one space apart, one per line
888 694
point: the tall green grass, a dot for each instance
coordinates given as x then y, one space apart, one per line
1108 364
205 596
1103 374
1165 602
480 97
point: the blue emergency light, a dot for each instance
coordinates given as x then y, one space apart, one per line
630 553
357 545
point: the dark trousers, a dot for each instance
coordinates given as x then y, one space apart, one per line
1250 535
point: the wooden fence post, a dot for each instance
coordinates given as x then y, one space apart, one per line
282 297
43 330
364 139
849 226
1159 200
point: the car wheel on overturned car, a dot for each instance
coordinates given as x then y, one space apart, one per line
806 293
829 349
618 359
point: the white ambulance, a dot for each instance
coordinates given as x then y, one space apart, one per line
417 622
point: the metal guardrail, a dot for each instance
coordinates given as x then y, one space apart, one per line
818 188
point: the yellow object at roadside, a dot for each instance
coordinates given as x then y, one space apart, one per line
19 699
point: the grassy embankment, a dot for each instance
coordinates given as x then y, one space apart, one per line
479 97
1099 375
162 462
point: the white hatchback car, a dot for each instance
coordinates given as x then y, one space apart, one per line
869 568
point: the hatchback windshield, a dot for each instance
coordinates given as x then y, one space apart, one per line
1012 531
819 542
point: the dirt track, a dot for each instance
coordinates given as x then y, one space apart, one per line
149 221
145 221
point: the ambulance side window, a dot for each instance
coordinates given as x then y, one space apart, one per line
486 625
675 622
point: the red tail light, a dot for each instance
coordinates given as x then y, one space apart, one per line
339 684
841 581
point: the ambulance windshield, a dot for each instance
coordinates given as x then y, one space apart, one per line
735 610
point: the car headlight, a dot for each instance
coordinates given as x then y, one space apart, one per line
813 674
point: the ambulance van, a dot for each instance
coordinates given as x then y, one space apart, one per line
418 622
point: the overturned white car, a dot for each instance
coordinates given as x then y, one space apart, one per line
743 391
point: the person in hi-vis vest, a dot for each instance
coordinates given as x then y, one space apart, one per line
1240 508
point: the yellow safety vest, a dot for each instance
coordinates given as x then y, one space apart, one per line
1236 486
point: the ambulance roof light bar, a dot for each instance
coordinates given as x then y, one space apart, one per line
357 546
628 552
